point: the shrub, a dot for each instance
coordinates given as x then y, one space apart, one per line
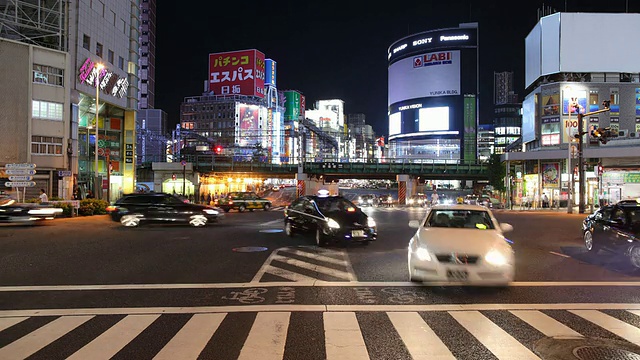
90 207
67 209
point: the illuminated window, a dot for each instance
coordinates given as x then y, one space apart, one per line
43 74
46 110
46 145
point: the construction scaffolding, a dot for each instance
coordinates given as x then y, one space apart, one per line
36 22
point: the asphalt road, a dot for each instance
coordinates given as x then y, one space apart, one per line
90 280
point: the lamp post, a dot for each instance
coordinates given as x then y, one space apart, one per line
96 185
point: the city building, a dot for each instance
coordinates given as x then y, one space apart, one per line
147 60
485 141
363 136
562 79
152 130
433 87
61 67
507 120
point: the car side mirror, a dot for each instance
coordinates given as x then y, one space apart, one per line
414 224
506 227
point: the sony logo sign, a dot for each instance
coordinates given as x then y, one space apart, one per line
422 41
455 37
401 47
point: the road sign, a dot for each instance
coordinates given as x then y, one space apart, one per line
20 184
183 162
20 172
64 173
20 166
20 178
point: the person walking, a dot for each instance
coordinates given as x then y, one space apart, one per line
43 197
209 199
434 199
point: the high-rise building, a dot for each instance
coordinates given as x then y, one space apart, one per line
507 120
147 61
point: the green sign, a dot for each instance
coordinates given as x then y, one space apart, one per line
632 177
292 105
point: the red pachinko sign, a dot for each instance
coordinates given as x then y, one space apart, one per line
237 73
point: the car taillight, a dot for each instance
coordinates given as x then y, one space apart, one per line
111 208
230 202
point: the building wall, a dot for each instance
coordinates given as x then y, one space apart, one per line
14 102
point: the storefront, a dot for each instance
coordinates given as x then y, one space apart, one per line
620 185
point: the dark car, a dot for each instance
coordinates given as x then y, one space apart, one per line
615 228
331 218
27 213
134 209
242 201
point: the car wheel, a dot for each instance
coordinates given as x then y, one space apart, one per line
320 237
267 207
589 244
198 221
288 229
241 208
130 220
634 256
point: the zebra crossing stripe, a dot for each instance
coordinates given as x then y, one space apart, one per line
113 340
421 341
343 338
313 267
491 336
545 324
6 323
267 337
38 339
618 327
188 343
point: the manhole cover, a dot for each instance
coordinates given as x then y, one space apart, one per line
604 352
250 249
271 231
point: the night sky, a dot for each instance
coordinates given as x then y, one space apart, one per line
338 50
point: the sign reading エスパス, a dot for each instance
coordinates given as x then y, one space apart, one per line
237 73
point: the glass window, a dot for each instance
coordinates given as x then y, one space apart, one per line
48 75
86 42
99 49
470 219
47 110
46 145
120 63
110 56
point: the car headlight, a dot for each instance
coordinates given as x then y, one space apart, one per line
370 201
423 254
211 211
371 222
496 258
333 224
410 201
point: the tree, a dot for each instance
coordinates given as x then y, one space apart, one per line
497 172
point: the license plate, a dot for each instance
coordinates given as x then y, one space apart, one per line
457 275
357 233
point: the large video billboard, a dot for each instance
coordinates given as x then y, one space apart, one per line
425 75
237 73
248 129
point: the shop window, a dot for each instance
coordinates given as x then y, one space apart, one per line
46 145
550 134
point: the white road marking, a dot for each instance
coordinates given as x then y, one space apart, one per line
38 339
618 327
9 322
498 341
267 337
320 257
285 274
309 308
421 342
313 267
273 222
192 338
113 340
558 254
545 324
343 339
312 282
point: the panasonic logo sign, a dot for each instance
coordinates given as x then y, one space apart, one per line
453 38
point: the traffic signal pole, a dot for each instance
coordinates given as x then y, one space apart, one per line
581 165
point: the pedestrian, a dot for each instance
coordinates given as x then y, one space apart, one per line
43 197
202 198
545 200
209 199
434 198
89 194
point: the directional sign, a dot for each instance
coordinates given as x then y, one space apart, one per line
21 166
20 172
20 178
62 173
20 184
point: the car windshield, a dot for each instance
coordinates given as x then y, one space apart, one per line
331 204
470 219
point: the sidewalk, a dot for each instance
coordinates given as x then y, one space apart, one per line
562 210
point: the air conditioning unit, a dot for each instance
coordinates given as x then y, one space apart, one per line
622 133
632 134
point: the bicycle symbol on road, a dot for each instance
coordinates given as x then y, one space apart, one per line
247 296
401 296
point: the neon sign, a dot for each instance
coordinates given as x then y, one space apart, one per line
108 82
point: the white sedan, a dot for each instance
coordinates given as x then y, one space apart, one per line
461 244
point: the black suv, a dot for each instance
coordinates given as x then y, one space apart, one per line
330 218
616 228
133 209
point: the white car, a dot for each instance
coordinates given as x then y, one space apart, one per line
461 244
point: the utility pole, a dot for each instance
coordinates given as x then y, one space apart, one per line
581 165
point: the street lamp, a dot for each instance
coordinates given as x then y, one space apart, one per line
96 186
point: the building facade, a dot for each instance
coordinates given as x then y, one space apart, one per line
559 74
486 137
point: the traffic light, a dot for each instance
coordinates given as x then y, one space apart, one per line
218 149
603 134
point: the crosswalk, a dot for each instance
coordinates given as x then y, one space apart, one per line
306 263
332 335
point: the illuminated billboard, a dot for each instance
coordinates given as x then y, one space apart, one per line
270 73
247 128
433 119
425 75
395 123
237 73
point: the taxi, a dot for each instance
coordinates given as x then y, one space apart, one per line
242 201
